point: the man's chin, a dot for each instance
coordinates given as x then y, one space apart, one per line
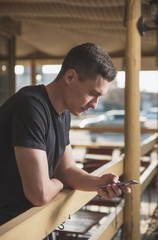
77 113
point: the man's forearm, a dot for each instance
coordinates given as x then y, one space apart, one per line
77 178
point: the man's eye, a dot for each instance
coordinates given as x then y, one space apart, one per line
93 94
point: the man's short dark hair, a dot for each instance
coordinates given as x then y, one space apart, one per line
89 60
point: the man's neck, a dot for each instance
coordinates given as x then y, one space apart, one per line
54 90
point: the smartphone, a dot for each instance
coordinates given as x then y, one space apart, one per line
120 184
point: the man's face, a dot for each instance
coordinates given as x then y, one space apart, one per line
84 95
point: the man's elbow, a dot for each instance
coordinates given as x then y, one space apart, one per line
38 200
42 195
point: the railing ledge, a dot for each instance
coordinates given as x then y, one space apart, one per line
38 222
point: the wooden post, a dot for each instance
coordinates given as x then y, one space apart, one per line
33 71
132 124
12 65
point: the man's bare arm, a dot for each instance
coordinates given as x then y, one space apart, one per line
38 188
73 176
77 178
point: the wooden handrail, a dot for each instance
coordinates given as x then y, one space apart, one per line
111 225
148 144
148 175
38 222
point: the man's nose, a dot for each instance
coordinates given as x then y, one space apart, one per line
93 104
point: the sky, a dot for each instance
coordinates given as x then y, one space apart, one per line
148 81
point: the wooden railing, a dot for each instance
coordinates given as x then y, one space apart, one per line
111 129
38 222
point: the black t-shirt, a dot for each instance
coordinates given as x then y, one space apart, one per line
28 119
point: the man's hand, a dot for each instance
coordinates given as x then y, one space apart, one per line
112 190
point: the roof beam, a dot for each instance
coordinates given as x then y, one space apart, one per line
9 27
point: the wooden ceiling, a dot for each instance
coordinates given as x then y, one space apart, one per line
49 28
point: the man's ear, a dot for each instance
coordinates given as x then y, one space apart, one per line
70 75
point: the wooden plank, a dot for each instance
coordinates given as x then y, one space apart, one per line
38 222
148 175
97 157
103 146
9 26
12 50
33 72
100 129
81 222
148 144
111 225
115 167
111 129
149 130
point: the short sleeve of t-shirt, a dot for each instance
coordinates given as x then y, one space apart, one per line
29 124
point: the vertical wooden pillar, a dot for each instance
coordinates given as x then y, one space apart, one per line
12 65
132 124
33 71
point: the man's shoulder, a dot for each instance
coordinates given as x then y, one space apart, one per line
31 95
34 91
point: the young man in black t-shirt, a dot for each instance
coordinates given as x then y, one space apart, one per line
35 152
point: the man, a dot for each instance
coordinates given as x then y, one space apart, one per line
35 153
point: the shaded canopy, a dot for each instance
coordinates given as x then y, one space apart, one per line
49 28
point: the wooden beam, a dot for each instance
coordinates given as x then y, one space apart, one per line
38 222
111 129
115 167
132 123
148 62
148 175
33 72
12 48
148 144
10 27
111 225
100 129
